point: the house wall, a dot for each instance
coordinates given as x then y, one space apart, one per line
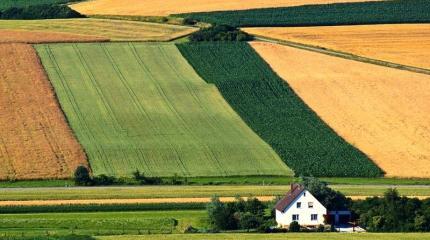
285 218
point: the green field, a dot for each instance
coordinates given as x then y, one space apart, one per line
101 223
235 180
142 106
115 30
275 112
189 192
397 11
289 236
4 4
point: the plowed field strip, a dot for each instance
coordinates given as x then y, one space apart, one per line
122 201
36 142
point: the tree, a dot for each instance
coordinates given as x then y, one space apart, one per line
249 221
254 206
294 227
331 199
82 176
217 214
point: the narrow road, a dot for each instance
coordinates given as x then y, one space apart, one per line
345 55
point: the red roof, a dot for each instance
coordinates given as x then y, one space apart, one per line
296 190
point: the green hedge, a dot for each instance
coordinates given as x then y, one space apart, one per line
272 109
398 11
101 207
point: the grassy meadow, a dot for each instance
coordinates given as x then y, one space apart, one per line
289 236
100 223
142 106
273 110
115 30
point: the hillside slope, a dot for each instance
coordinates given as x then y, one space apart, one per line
35 141
271 108
142 106
384 112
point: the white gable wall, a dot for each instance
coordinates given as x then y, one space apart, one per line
286 217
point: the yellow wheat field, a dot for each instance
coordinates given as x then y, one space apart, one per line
164 8
383 111
407 44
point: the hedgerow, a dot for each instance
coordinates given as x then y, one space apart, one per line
398 11
275 112
101 207
67 237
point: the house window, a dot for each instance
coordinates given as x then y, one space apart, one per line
299 204
304 194
295 217
314 217
311 204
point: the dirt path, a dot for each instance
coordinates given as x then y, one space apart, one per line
344 55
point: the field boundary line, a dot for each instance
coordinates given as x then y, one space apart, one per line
345 55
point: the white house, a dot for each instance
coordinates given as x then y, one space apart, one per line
301 206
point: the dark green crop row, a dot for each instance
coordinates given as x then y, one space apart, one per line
101 207
271 108
397 11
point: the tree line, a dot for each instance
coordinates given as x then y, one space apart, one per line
46 11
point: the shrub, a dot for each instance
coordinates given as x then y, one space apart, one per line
220 33
294 227
235 215
82 176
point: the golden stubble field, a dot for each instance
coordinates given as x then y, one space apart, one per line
18 36
407 44
164 8
382 111
103 29
35 141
